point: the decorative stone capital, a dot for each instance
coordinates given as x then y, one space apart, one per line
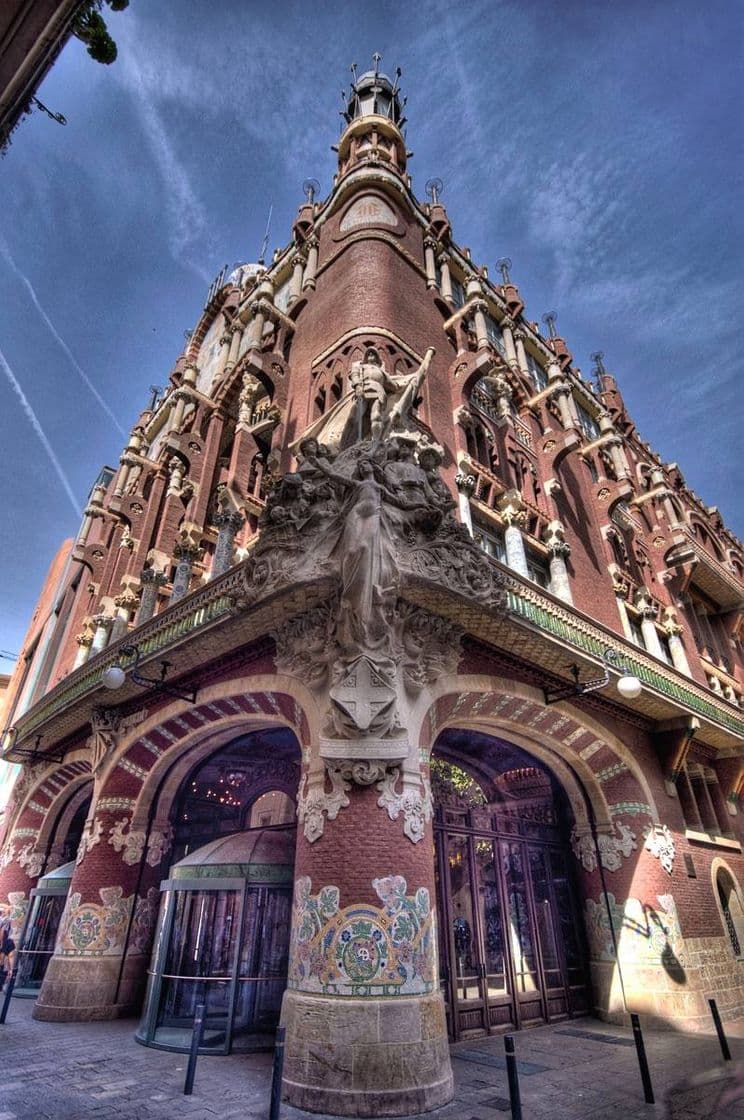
555 539
430 243
153 577
645 604
465 483
507 324
670 622
229 519
512 509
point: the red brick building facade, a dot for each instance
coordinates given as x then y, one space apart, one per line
406 568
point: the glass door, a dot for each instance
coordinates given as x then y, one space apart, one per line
194 962
496 968
511 947
262 965
465 965
37 943
529 1002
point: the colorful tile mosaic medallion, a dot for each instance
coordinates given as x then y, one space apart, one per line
89 929
646 933
14 911
363 950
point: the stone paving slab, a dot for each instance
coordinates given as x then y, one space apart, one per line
96 1071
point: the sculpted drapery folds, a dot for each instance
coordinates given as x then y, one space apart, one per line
375 404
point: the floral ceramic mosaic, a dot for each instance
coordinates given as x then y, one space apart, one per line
646 932
90 929
363 950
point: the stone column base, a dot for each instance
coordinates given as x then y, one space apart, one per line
79 989
366 1057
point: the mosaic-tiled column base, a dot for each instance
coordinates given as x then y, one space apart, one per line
366 1057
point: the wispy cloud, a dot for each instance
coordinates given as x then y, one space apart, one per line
8 258
36 425
187 216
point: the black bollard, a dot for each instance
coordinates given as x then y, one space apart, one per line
719 1030
513 1077
648 1091
276 1076
196 1040
8 994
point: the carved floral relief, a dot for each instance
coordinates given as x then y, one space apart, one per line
612 847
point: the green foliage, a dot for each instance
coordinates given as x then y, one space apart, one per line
90 27
447 775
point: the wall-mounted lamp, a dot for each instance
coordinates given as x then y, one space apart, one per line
32 754
115 676
628 685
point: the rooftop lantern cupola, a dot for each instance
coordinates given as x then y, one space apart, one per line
373 112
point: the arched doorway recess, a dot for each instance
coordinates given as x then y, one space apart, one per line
512 949
223 929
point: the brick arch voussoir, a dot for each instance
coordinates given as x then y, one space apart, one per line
569 742
44 797
62 811
157 756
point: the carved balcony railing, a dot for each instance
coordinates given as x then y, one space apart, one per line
537 626
581 633
709 574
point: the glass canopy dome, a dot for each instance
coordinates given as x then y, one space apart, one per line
222 939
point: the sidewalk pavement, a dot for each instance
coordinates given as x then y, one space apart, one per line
571 1070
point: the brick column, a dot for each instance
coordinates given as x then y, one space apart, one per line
104 917
366 1031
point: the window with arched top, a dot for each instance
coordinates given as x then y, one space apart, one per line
731 908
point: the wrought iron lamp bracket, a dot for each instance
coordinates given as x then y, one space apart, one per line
155 683
610 659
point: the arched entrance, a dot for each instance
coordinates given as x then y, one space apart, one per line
222 937
48 898
511 946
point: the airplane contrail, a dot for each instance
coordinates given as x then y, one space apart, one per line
36 425
63 345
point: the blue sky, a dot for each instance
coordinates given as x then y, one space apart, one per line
597 144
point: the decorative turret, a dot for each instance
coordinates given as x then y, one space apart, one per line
373 112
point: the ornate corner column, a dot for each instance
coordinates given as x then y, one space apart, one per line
228 522
648 610
465 484
186 551
445 279
674 638
365 1019
85 979
152 581
514 513
103 624
430 248
560 585
312 263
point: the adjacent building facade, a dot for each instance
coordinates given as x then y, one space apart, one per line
393 684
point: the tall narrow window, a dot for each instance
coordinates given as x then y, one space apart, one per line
730 908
